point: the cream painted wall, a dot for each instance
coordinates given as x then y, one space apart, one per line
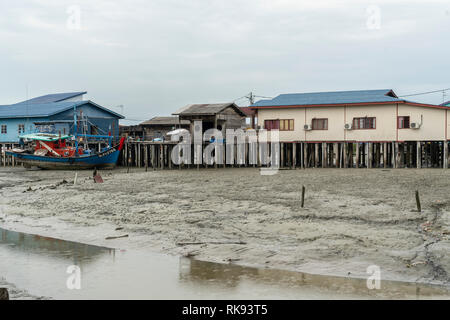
386 123
335 130
433 127
298 114
448 124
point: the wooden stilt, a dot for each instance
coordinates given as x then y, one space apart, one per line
357 155
324 155
345 155
294 155
445 161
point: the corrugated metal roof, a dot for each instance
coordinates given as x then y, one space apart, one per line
44 109
206 109
445 104
326 98
54 97
165 121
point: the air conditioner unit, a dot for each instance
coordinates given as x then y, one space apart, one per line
307 127
414 125
348 126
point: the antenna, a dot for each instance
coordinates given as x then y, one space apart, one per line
26 124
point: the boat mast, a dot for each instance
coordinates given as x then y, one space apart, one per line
75 129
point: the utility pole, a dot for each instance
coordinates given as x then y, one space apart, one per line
251 98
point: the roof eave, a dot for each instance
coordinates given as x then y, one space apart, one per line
350 104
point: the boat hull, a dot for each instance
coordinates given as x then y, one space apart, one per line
106 159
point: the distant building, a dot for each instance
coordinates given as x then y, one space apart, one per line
55 113
135 132
158 127
221 116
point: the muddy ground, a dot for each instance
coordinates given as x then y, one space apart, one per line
353 218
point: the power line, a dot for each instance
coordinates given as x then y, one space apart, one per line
428 92
251 98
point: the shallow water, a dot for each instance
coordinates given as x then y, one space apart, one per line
39 265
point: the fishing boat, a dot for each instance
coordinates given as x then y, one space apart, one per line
56 151
53 152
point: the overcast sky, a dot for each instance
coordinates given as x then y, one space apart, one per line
155 56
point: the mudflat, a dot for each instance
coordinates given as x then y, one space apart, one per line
352 218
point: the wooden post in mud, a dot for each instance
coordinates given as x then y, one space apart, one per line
419 208
303 196
385 155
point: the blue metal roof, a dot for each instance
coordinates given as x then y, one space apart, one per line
24 110
55 97
327 98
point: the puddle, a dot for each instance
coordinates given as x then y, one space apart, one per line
39 265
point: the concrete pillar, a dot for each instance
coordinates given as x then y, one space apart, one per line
385 154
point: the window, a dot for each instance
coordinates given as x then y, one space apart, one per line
21 128
320 124
403 122
271 124
364 123
282 125
4 129
287 125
